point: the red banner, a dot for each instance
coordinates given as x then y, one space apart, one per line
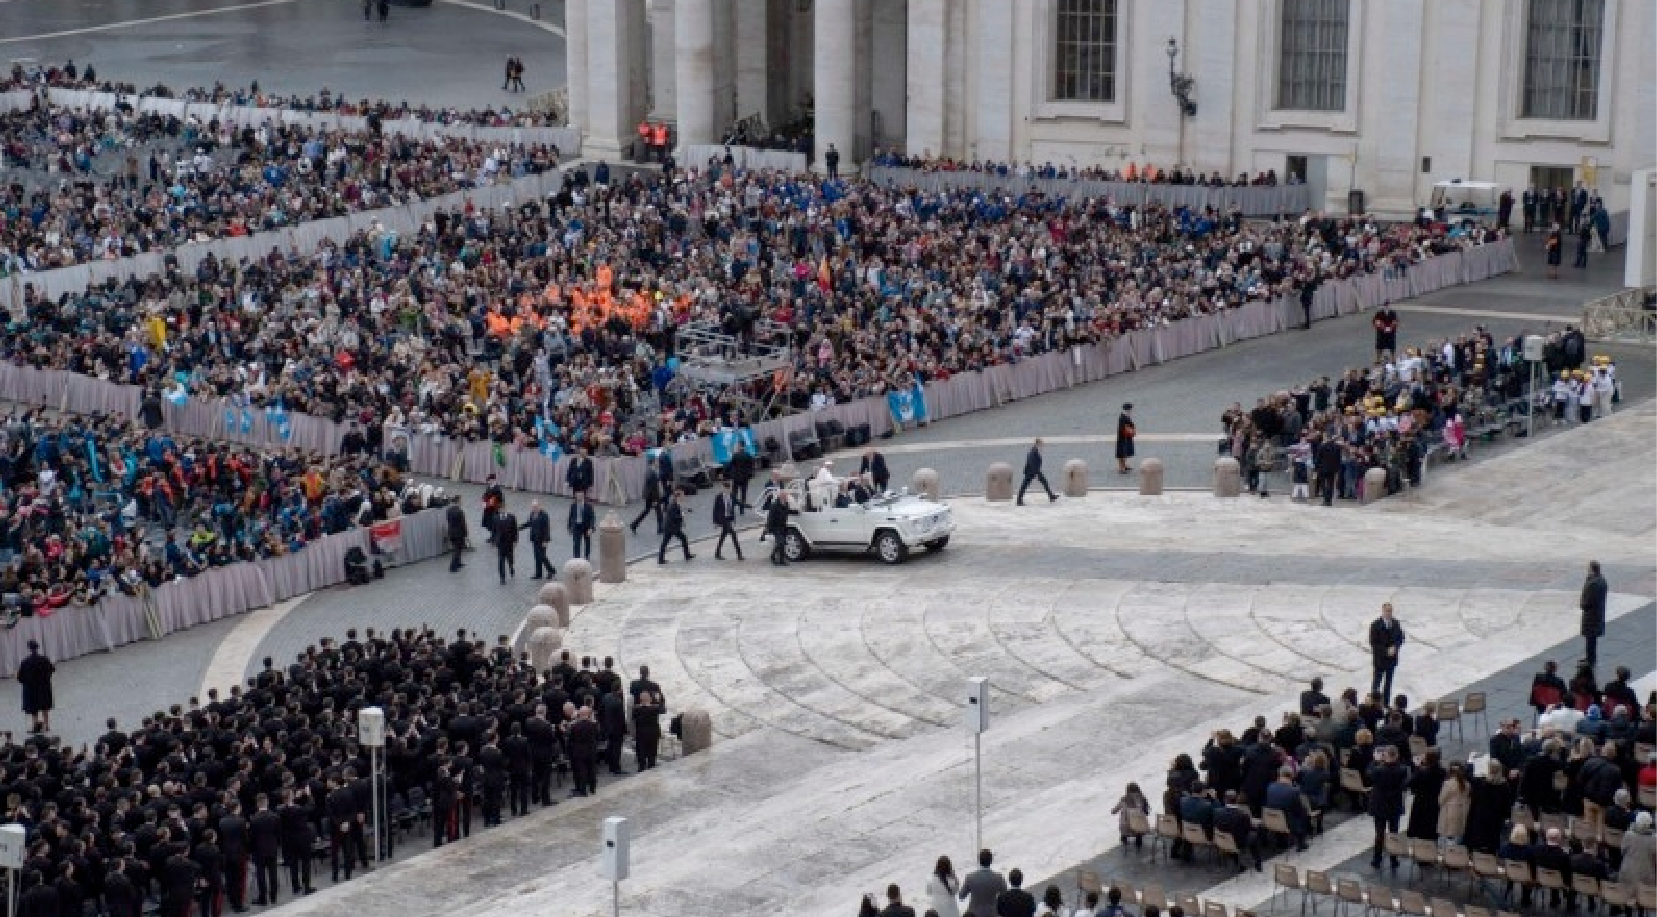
388 536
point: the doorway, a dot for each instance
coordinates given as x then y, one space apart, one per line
1311 170
1560 177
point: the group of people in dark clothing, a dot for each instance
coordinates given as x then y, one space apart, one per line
183 808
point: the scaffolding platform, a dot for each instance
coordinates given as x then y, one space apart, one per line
722 366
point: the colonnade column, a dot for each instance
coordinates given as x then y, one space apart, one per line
834 79
693 70
928 40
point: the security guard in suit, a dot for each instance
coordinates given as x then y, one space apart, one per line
724 516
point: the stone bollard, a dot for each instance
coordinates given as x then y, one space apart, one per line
1150 477
925 484
544 644
540 616
1375 486
998 483
1228 477
697 731
612 550
1075 478
578 581
556 597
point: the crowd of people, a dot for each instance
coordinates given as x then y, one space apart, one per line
1410 403
1128 172
202 804
95 506
553 321
179 181
69 76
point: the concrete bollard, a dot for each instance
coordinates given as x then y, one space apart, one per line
1075 478
1375 485
925 484
612 550
578 581
544 644
540 616
696 731
1150 477
1228 477
998 483
556 597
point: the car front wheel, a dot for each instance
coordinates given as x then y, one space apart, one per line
794 547
890 548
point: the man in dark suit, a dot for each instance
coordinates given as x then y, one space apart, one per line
1592 605
1388 780
264 832
1327 458
1032 472
776 525
581 523
582 737
674 527
1284 795
540 532
1015 901
1233 818
1386 638
724 516
520 759
612 718
506 543
643 684
342 814
543 755
579 474
740 471
455 518
874 465
894 904
1529 201
652 498
981 887
297 838
233 845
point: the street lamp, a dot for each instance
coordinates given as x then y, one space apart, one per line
1182 85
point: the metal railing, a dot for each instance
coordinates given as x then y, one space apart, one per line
1622 317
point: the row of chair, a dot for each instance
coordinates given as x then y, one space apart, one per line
1411 902
1152 895
1170 829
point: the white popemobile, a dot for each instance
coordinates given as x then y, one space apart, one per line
890 524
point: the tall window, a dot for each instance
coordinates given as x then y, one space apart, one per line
1311 65
1562 59
1084 67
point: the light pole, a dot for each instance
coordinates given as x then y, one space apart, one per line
616 862
371 735
1184 88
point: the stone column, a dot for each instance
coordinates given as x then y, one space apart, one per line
925 484
834 80
616 76
554 596
998 483
693 70
544 644
698 731
1375 486
1228 477
1150 477
575 62
664 99
928 41
612 550
1075 478
578 581
753 59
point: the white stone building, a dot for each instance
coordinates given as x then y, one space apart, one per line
1388 96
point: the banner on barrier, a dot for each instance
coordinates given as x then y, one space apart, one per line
388 536
908 406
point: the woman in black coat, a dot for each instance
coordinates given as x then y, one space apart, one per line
34 675
1488 810
1223 761
647 729
1425 783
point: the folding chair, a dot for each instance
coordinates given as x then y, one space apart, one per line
1197 839
1167 831
1616 894
1586 888
1190 905
1088 881
1317 883
1423 853
1449 711
1274 822
1442 907
1454 858
1139 826
1286 878
1648 797
1212 908
1418 747
1551 881
1348 892
1153 896
1518 875
1474 706
1474 910
1411 903
1226 846
1487 870
1353 783
1645 898
1585 831
1396 846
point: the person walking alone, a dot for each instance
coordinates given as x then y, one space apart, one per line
455 517
1125 432
540 532
1592 604
776 524
724 516
517 79
674 528
1032 472
506 543
740 472
652 498
511 65
583 519
1386 637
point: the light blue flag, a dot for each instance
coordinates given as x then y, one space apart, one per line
902 405
918 399
177 396
247 421
723 443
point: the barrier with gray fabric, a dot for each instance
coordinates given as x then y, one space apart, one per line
696 156
76 630
1251 200
621 479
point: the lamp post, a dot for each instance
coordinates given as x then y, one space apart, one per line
1184 88
371 735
